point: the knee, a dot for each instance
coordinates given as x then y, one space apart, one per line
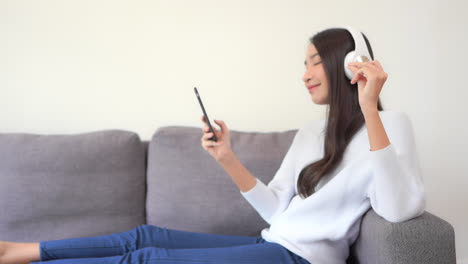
136 232
143 231
138 228
146 228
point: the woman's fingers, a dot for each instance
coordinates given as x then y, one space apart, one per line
208 143
205 140
223 126
354 69
357 77
204 121
206 136
209 134
361 70
205 127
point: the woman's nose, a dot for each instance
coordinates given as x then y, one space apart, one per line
305 78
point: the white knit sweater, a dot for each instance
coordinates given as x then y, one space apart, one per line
322 227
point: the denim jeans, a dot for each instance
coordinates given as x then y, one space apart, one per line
152 244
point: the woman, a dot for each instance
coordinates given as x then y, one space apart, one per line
316 199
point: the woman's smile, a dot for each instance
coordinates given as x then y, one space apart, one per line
312 87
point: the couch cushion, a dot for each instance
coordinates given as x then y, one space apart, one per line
62 186
188 190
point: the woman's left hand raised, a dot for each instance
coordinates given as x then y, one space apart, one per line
370 78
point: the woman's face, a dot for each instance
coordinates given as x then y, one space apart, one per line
315 75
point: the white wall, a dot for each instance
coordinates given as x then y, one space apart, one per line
78 66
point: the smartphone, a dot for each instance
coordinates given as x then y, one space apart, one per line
214 138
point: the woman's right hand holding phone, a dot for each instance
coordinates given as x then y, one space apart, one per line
220 150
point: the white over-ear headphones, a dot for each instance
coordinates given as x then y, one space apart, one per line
360 54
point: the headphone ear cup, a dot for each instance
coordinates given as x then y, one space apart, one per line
348 59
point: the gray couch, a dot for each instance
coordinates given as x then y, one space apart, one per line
101 182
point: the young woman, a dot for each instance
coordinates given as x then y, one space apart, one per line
334 171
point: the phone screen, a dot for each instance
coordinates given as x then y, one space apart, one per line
214 138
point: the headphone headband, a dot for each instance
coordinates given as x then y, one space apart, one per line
359 54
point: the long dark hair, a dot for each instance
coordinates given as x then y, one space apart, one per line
344 115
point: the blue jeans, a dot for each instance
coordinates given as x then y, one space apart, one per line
152 244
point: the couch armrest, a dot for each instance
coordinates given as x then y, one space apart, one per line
424 239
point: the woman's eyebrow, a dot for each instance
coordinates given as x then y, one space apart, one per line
312 56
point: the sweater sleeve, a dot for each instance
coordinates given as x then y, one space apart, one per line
269 200
397 191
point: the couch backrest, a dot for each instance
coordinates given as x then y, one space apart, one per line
63 186
188 190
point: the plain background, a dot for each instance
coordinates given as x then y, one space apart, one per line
79 66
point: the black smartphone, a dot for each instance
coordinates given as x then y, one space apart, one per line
214 138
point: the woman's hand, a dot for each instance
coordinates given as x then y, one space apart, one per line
370 77
220 150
